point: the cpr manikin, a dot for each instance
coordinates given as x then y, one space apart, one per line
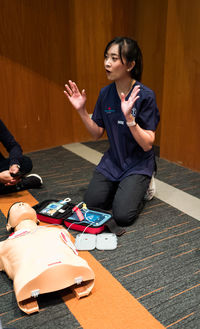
41 259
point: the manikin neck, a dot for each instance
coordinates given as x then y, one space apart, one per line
26 224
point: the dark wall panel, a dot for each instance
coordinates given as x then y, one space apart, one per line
180 133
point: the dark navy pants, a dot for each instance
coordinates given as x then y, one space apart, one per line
125 198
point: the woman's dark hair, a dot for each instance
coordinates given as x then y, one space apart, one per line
129 49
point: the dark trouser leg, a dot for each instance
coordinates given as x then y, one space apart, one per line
25 164
100 192
126 198
128 201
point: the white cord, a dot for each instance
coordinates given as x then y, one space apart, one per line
85 230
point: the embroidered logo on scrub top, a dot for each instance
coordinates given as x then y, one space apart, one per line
109 110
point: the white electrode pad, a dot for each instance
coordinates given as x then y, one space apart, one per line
103 241
85 241
106 241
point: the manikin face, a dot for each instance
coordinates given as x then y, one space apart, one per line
115 69
18 212
19 206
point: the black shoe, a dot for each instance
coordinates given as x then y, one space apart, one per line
31 181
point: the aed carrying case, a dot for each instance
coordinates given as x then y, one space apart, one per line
89 220
53 211
76 217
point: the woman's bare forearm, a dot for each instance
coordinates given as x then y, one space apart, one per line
95 131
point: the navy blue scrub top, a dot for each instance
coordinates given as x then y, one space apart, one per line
125 157
10 144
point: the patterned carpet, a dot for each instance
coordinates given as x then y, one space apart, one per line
157 259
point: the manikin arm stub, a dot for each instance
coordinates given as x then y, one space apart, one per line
5 263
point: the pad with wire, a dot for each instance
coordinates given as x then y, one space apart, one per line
85 241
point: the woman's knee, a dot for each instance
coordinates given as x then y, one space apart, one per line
125 216
96 200
100 192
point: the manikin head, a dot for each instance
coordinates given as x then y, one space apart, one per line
21 212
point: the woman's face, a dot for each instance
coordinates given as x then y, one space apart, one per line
115 69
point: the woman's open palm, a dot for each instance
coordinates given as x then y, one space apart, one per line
127 106
76 98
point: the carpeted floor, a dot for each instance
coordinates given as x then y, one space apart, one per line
157 259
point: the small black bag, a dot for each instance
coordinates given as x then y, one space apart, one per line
54 211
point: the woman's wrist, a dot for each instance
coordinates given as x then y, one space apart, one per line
83 113
130 121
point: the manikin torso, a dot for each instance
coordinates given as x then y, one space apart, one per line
41 259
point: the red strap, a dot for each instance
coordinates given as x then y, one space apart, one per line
79 213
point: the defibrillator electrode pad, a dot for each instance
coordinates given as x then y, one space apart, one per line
85 241
104 241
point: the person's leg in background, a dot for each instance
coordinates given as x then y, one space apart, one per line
129 199
26 165
30 181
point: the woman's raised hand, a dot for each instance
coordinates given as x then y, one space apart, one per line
76 98
127 106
